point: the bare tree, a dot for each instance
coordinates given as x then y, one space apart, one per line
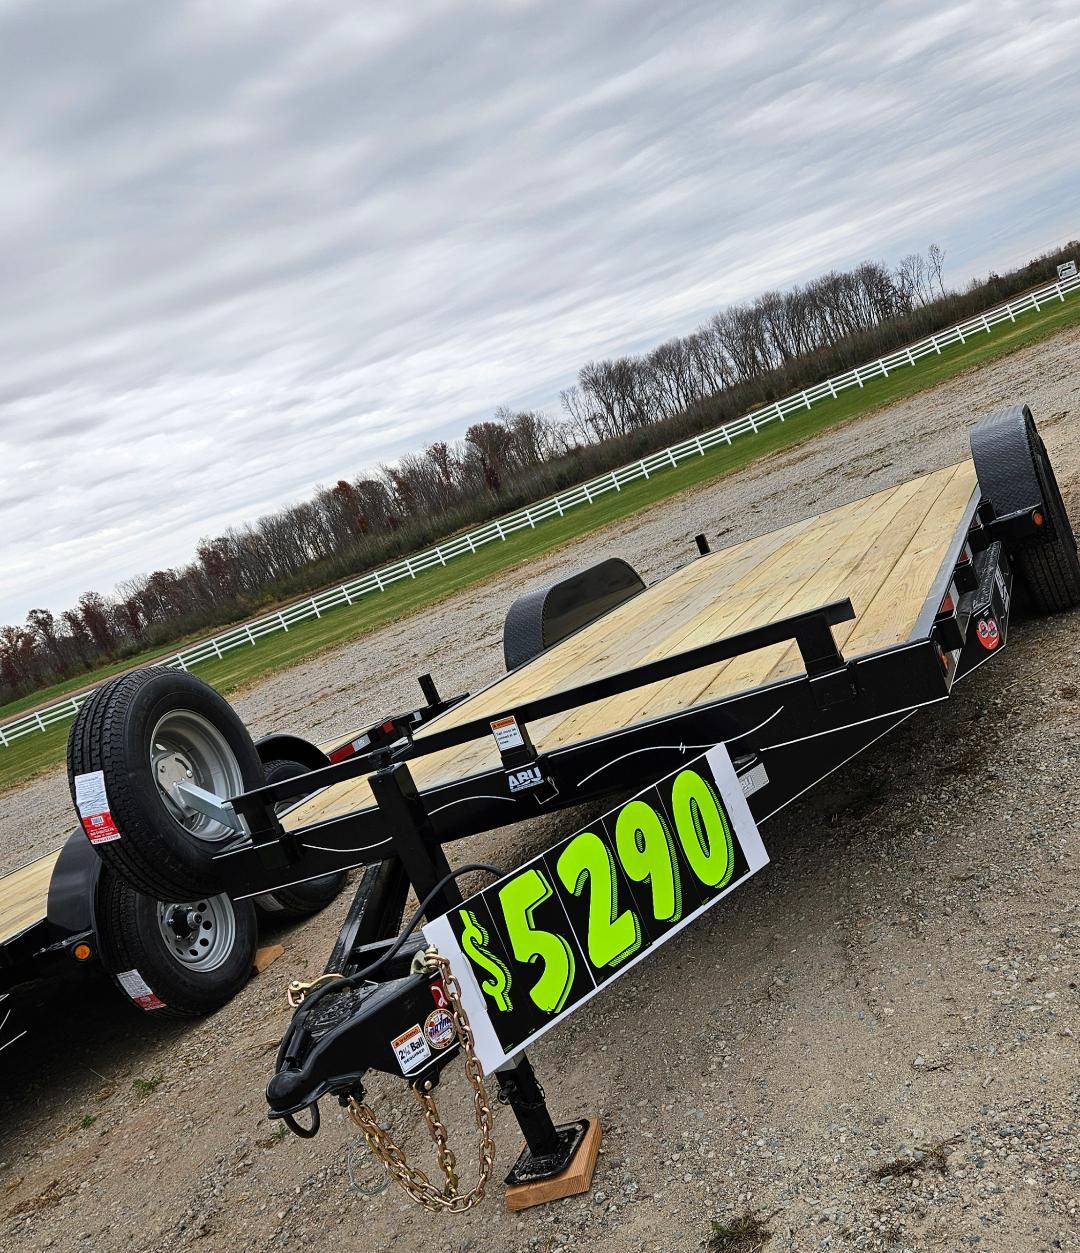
936 261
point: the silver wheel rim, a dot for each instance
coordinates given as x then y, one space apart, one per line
186 748
200 934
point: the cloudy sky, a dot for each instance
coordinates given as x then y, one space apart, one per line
254 246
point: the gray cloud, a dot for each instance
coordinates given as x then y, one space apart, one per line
249 248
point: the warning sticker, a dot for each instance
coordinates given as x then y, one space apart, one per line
411 1049
93 806
137 988
507 734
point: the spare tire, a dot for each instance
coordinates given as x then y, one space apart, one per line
179 959
133 741
301 899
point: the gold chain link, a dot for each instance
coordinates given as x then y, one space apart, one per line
414 1181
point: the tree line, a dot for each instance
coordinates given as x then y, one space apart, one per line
619 409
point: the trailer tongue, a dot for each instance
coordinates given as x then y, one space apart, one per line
713 699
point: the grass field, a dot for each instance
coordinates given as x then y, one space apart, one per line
244 666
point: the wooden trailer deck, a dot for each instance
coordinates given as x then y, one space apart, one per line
883 552
24 896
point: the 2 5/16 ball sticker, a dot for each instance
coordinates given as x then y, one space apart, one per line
411 1049
439 1028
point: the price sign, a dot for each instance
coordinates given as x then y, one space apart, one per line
532 947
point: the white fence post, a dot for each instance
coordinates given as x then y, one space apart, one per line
284 625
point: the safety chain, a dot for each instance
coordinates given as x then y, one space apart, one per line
414 1181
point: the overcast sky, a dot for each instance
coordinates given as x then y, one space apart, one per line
249 247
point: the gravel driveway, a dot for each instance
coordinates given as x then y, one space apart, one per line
896 993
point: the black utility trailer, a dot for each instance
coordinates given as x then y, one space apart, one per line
70 914
715 697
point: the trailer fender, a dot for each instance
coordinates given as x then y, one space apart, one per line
281 747
1015 476
542 618
72 900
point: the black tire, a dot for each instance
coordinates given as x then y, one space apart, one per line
133 730
1014 474
302 899
203 963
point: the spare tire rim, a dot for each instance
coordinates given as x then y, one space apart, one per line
201 934
187 748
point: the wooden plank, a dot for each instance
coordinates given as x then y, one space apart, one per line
621 648
266 956
24 896
856 573
617 641
572 1181
882 551
761 596
902 594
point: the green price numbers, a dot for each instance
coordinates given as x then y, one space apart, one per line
553 932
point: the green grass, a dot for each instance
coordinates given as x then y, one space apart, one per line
245 665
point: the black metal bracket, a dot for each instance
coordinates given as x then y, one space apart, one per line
1010 528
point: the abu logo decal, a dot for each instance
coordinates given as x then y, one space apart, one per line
525 778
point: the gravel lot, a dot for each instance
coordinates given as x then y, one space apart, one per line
897 990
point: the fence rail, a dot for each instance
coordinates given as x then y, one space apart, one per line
249 633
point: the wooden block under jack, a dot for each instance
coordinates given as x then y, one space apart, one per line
575 1179
266 957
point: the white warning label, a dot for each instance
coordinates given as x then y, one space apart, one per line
411 1048
93 806
507 734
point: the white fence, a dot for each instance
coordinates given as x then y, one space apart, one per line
379 580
